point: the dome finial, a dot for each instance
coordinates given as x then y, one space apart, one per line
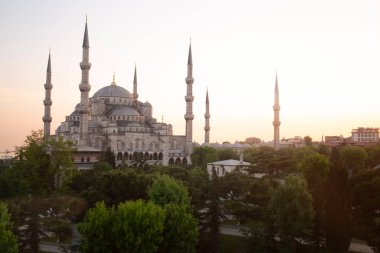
113 79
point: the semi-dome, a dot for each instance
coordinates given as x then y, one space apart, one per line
124 111
113 91
147 104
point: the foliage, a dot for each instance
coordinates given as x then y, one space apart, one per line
365 188
102 166
33 216
96 230
373 155
234 185
226 154
214 212
338 206
166 190
291 209
354 158
108 156
41 165
112 187
138 227
203 155
180 230
308 141
315 170
8 241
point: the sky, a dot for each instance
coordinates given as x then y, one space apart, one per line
326 54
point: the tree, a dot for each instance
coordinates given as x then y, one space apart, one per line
8 241
108 156
338 206
291 209
354 158
180 230
315 170
373 155
203 155
364 189
138 227
234 185
214 213
166 190
308 141
96 230
225 154
33 216
44 163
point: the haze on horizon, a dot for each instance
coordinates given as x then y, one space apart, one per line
326 54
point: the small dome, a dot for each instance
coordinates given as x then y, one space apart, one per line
113 91
147 104
124 111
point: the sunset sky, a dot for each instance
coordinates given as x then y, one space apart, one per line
326 54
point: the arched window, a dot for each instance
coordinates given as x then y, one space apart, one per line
125 158
146 155
160 156
119 156
155 156
178 161
171 161
184 161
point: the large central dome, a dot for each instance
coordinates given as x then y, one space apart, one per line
113 91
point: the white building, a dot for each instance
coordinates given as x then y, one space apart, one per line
365 134
222 167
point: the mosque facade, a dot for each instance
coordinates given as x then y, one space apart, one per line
114 118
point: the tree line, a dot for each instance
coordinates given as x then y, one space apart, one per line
310 198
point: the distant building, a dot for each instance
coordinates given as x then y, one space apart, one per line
334 139
253 140
365 134
222 167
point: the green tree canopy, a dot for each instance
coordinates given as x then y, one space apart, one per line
315 169
291 208
8 241
203 155
44 163
180 230
167 190
338 206
138 227
354 158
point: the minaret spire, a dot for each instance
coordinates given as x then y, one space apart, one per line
84 88
135 95
189 98
276 122
207 121
47 102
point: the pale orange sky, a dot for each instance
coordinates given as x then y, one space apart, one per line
326 53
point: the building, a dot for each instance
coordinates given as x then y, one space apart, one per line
222 167
114 118
365 134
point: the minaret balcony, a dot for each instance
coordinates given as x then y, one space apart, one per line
189 116
48 86
84 87
276 107
48 102
189 98
85 65
47 119
189 80
276 123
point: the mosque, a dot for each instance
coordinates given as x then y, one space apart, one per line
114 118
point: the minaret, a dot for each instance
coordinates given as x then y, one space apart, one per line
47 102
189 98
135 95
84 88
276 122
207 121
